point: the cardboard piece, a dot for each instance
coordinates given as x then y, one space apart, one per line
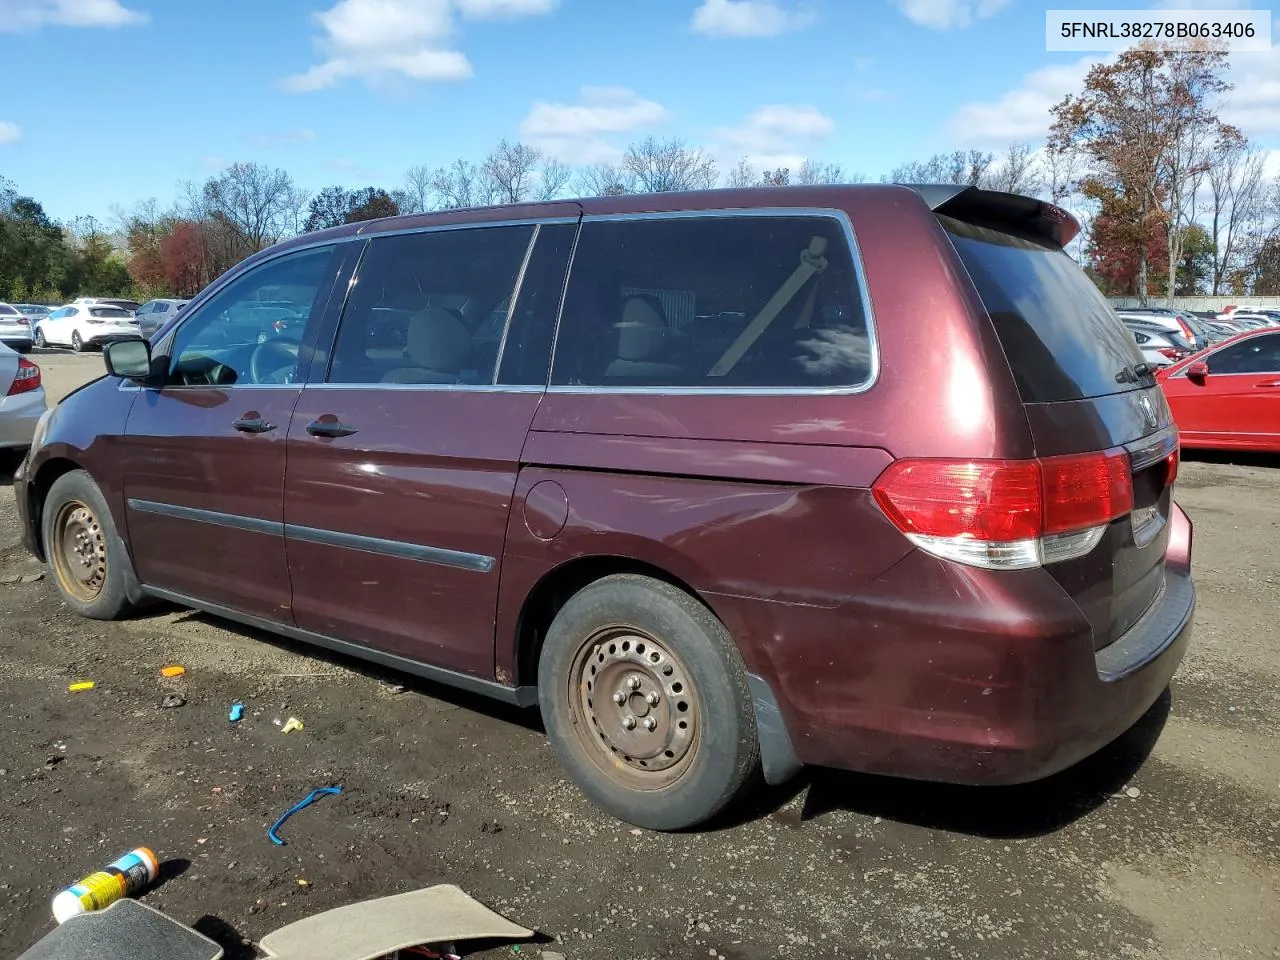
375 928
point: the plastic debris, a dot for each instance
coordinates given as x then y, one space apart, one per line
173 671
1133 793
81 685
236 714
309 799
290 725
172 700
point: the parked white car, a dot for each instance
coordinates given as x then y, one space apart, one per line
22 400
81 325
15 329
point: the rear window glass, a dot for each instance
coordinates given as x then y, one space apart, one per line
1061 337
7 311
713 302
109 313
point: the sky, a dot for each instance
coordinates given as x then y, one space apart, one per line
105 103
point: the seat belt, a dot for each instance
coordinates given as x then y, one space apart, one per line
812 262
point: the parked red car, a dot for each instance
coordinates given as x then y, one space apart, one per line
863 476
1228 398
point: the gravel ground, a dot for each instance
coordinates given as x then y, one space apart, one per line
1163 845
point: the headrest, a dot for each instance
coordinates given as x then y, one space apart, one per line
437 339
642 331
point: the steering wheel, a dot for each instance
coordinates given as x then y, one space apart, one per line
273 361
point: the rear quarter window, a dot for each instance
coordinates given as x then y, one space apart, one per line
1060 336
714 302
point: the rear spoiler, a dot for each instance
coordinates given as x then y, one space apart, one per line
972 204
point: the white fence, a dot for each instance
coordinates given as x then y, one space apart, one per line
1196 303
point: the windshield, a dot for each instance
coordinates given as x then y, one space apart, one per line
1061 337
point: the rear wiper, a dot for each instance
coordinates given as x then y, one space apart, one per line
1133 374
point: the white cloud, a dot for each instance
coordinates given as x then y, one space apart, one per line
949 14
1254 104
9 132
581 132
382 39
749 18
17 16
279 138
779 135
1022 114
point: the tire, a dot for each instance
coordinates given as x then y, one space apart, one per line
41 342
85 553
628 628
76 343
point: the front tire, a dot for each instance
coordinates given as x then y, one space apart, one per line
85 553
645 700
76 343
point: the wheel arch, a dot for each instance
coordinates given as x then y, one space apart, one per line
38 492
558 584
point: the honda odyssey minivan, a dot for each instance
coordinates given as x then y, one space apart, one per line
725 483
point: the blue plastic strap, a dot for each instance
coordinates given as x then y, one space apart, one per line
311 798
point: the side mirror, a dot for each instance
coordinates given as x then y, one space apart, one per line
1198 371
129 359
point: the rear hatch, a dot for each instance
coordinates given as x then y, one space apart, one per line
1083 388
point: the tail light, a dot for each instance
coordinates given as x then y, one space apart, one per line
1186 330
90 318
1007 514
1171 353
26 379
24 322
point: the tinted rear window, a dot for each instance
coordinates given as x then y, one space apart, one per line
1061 337
7 311
713 302
109 313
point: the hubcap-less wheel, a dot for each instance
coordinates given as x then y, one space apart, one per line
634 708
80 551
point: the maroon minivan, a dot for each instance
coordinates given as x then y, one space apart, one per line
727 482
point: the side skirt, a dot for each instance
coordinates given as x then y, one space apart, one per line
525 696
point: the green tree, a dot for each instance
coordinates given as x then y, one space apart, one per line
1195 268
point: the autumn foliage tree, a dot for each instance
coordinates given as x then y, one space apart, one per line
1145 125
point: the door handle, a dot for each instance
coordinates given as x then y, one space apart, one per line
252 425
329 428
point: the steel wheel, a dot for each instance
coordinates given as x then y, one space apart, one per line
79 551
634 708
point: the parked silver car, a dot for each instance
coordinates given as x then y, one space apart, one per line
154 314
22 400
15 328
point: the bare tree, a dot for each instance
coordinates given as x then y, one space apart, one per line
960 166
512 169
664 166
552 179
743 174
604 180
461 184
1018 172
259 201
415 196
812 173
1236 188
1060 167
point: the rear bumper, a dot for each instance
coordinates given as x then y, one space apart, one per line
19 416
111 336
995 681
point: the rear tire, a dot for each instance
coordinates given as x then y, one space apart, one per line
86 555
41 342
645 700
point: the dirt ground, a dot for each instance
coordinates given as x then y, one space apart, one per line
442 787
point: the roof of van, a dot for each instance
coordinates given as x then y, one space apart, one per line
958 200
